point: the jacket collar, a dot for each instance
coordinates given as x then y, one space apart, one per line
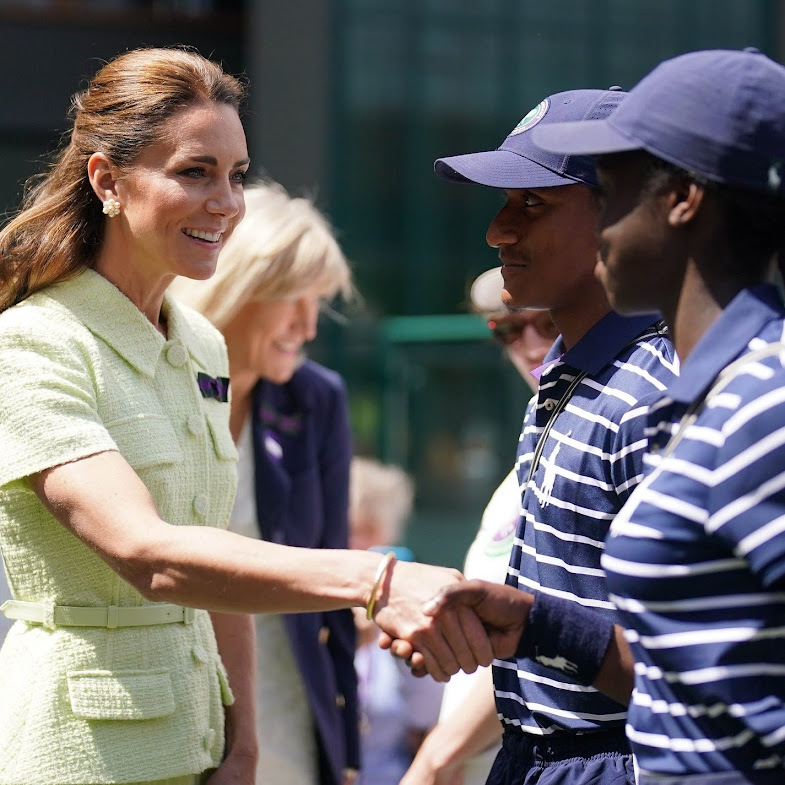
111 316
742 319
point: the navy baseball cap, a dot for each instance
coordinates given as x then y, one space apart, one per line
718 114
519 163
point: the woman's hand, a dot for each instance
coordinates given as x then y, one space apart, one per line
235 769
454 641
502 612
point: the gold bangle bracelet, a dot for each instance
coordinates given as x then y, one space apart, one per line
381 573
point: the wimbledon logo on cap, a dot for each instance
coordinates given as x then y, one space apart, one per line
532 118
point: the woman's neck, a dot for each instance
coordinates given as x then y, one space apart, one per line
146 294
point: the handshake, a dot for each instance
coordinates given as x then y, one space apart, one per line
440 624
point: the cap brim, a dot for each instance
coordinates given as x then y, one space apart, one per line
586 137
498 169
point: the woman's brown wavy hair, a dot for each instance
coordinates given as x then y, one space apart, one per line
59 227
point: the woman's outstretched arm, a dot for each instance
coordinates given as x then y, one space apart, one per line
102 501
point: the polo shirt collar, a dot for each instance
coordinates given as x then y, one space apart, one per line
741 320
110 315
601 343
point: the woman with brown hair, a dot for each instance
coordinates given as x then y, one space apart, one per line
118 468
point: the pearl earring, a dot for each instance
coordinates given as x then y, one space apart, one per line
111 207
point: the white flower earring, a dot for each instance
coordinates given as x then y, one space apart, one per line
112 207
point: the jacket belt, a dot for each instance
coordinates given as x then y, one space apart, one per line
109 616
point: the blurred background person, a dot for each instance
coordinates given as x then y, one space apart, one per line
461 749
289 420
396 709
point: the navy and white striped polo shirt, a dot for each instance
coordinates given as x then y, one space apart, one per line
696 562
590 463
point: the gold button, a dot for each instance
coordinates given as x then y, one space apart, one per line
340 701
324 635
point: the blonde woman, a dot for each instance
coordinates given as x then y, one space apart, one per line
289 419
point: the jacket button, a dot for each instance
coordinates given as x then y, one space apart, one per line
196 425
201 505
209 739
340 701
324 635
177 355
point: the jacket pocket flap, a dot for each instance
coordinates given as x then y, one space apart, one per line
218 423
121 695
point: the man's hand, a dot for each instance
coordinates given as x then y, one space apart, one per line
454 641
501 610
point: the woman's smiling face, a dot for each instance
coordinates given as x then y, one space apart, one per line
267 337
183 196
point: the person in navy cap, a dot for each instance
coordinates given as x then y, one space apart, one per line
579 454
691 174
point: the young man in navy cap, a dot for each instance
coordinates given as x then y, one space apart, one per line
691 168
579 454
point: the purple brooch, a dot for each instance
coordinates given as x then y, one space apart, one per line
213 387
288 424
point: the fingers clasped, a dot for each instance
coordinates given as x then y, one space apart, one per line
451 637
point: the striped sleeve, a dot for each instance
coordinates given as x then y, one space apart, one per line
629 446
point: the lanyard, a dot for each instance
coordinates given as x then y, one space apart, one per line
558 409
565 399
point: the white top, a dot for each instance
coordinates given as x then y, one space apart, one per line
287 744
486 559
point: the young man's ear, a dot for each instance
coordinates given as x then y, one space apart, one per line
684 200
102 174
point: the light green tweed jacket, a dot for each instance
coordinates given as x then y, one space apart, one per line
83 371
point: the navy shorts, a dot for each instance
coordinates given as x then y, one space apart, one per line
601 758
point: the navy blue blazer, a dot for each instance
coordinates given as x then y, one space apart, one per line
302 452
